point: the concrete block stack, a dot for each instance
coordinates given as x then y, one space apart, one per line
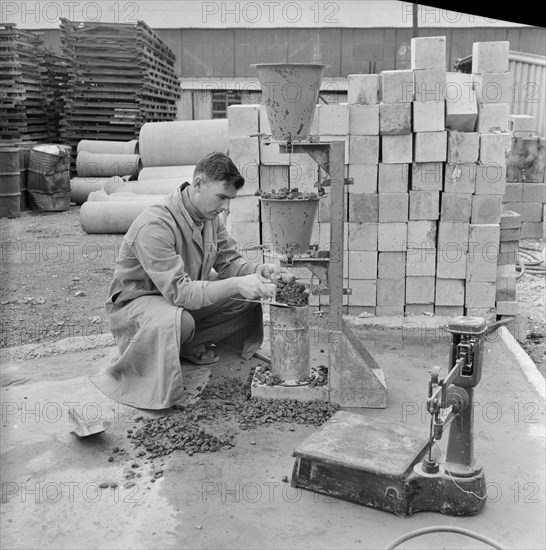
525 177
510 232
486 158
426 150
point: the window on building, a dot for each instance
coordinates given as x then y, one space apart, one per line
221 100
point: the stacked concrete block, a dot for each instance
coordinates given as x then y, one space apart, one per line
428 53
452 253
333 120
510 235
427 176
244 124
393 178
522 126
525 177
429 116
364 120
363 198
420 267
430 146
273 176
430 85
393 215
391 275
426 158
303 172
424 205
491 82
505 293
362 89
269 152
245 153
397 86
461 104
244 149
492 117
483 253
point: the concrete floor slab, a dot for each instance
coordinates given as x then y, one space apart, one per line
237 498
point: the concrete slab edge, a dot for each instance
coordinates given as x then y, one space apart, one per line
66 345
524 362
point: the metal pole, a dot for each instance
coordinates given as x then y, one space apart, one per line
415 20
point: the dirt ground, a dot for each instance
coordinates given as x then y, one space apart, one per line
55 279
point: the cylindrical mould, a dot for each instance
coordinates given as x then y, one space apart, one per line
181 142
182 173
111 216
290 346
110 147
104 165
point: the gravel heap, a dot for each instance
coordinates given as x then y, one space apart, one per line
227 400
162 436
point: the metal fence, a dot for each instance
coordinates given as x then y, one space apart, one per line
529 87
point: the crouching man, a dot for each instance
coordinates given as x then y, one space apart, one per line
170 298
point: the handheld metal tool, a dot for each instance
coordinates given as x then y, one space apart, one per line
263 302
85 429
398 469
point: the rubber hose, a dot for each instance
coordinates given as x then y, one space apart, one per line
443 529
528 262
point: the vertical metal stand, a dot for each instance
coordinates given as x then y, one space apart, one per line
355 378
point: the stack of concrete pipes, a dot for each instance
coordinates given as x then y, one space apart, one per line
168 154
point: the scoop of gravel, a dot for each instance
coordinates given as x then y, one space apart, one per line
227 400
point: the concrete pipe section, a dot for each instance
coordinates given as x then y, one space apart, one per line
183 173
113 215
183 142
110 147
81 187
106 164
146 187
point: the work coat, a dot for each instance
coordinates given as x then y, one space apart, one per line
164 264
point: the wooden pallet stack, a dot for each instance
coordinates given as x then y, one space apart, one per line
55 80
22 109
120 77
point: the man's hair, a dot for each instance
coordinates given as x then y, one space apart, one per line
219 167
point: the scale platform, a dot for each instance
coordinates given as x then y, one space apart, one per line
377 463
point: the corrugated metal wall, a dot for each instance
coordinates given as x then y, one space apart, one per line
230 52
529 88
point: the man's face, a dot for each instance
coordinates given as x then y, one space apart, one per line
212 197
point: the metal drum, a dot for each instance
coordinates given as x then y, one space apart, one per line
10 176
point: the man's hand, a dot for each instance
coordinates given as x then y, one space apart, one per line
256 287
276 273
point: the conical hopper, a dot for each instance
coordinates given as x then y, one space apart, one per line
290 224
290 92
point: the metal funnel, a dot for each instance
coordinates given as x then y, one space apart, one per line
290 92
290 223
